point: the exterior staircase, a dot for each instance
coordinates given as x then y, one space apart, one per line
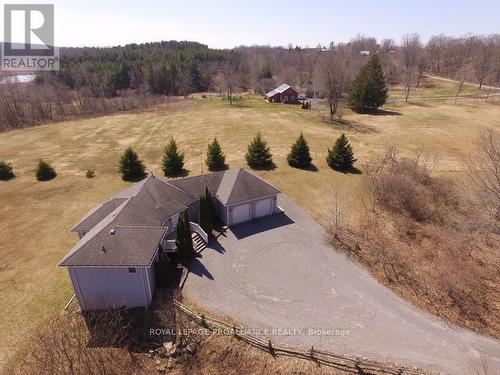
198 243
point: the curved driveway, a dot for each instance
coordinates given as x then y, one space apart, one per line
277 273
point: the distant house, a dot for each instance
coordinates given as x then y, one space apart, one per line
364 53
113 264
282 94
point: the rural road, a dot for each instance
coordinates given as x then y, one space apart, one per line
277 273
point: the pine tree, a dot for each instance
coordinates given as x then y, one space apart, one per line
44 171
210 204
205 212
299 156
216 161
258 155
341 157
131 167
183 240
6 172
368 91
173 160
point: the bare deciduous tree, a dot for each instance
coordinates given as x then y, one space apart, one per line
332 78
484 171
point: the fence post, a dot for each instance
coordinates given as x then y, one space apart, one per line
271 349
203 321
234 331
311 352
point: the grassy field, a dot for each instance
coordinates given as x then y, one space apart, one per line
35 217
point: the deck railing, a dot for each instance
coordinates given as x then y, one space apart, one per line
197 229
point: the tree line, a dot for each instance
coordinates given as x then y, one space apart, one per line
102 80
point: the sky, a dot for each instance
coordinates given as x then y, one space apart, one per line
230 23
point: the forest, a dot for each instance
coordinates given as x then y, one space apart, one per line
103 80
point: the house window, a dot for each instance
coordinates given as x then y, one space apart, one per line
286 98
132 270
292 98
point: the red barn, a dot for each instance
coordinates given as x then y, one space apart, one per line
282 94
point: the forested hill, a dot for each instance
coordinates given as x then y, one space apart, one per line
167 67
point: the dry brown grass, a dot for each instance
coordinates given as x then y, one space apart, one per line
35 217
430 243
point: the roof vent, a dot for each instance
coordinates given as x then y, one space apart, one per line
112 231
103 250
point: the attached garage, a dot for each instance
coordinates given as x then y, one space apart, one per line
240 214
263 207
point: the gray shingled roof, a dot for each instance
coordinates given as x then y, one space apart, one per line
278 90
239 185
94 216
136 215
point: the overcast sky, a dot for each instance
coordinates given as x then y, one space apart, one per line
229 23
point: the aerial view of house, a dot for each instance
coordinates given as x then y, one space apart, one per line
113 264
254 188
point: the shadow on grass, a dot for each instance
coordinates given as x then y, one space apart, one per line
352 170
384 112
310 168
351 125
268 167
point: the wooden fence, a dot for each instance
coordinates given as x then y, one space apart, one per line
356 365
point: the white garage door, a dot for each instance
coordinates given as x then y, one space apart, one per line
263 208
241 213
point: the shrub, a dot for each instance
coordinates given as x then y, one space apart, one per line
258 155
6 172
299 156
306 104
368 91
131 167
90 173
173 160
216 161
341 157
44 171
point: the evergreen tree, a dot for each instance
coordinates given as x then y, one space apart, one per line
258 155
173 160
341 157
131 167
368 91
6 172
183 241
210 204
44 171
216 161
164 270
299 156
205 212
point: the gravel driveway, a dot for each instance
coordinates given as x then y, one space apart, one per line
277 273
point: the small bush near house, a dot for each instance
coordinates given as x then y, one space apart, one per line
44 171
90 173
299 156
131 167
306 104
173 160
216 161
6 172
341 157
259 155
